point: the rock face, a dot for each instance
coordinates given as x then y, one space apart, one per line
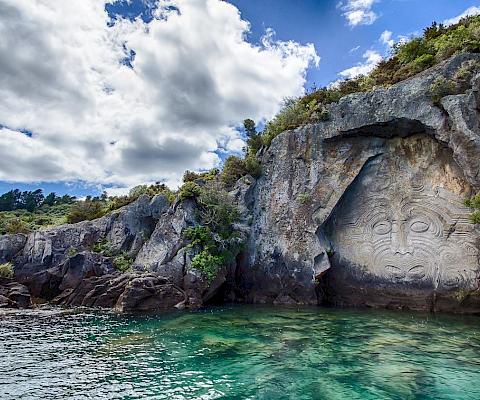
366 209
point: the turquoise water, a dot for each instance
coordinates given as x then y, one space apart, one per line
239 352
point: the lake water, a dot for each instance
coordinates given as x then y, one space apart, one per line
239 352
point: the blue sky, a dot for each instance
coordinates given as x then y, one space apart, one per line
344 34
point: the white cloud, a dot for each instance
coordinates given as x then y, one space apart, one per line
194 78
468 12
358 12
386 38
372 58
354 49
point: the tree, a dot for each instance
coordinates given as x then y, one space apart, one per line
30 201
249 126
50 199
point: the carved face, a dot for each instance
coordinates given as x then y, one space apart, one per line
406 233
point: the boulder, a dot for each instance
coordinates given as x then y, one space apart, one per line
13 294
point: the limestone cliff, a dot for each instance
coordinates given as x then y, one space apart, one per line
364 209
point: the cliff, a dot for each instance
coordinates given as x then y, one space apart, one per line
364 209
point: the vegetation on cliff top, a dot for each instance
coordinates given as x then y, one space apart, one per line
437 44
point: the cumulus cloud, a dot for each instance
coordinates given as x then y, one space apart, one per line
371 59
386 39
468 12
358 12
133 102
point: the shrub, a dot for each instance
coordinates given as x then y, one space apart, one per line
208 264
217 210
253 166
6 270
440 88
189 190
72 252
210 175
233 169
103 246
85 210
123 262
304 198
474 204
215 240
16 225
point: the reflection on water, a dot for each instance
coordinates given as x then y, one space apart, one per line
240 352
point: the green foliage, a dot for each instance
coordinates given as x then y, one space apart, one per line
217 210
296 112
212 256
103 246
208 264
476 217
304 198
16 225
24 221
115 202
72 252
233 169
215 240
30 200
123 262
253 166
189 190
190 176
440 88
474 204
86 210
6 270
249 126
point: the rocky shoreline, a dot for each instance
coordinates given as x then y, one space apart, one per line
365 209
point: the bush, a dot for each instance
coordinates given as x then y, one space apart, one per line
253 166
211 257
189 190
440 88
304 198
103 246
474 204
123 262
217 210
233 169
6 271
16 225
215 240
208 264
86 211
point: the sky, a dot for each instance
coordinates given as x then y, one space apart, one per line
104 95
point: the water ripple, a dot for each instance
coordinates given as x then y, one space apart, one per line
241 352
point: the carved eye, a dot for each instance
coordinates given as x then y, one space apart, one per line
419 226
382 227
417 272
395 271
